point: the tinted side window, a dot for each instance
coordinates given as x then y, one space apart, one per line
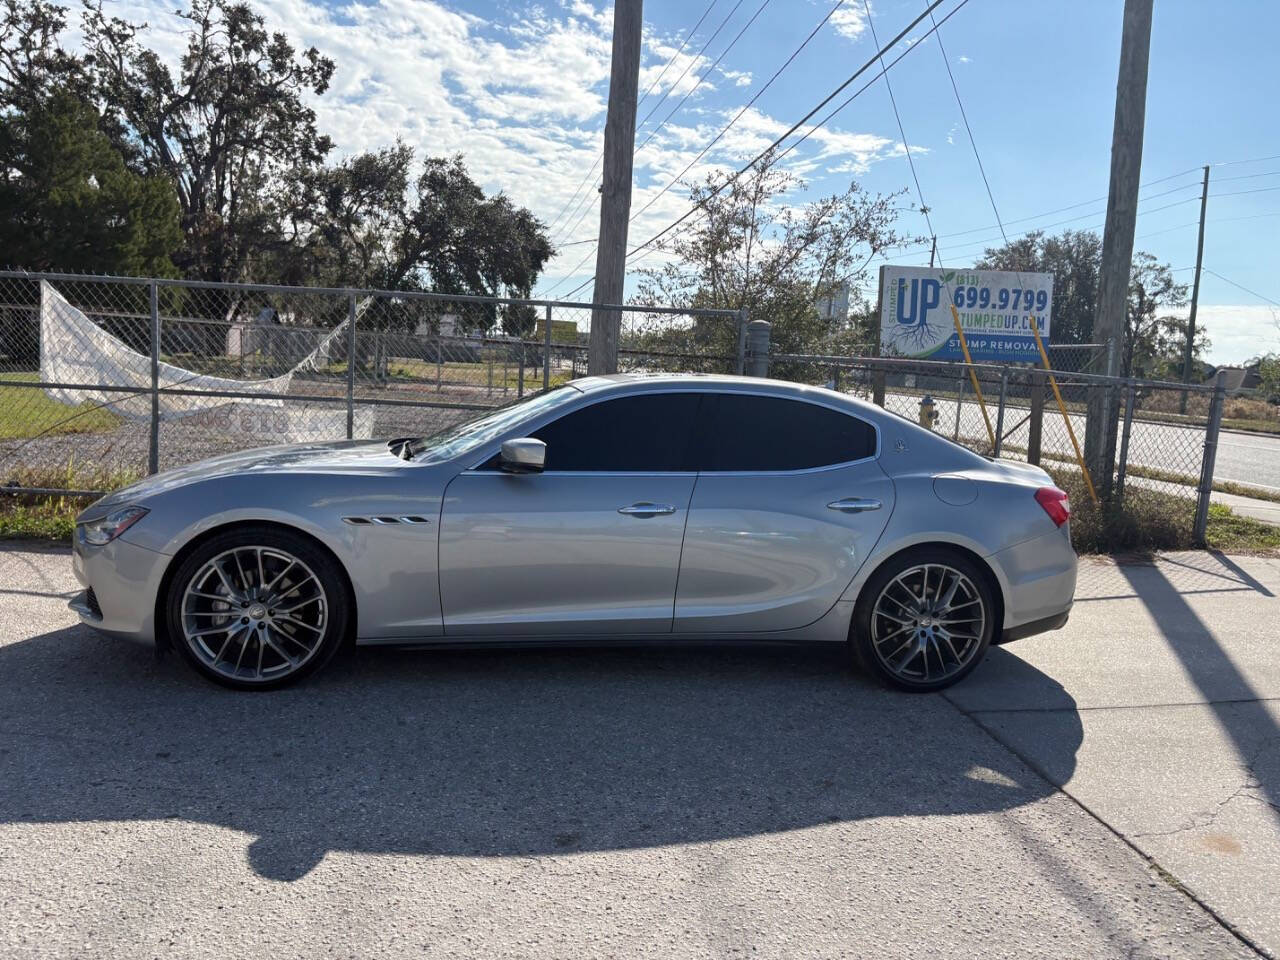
744 432
645 432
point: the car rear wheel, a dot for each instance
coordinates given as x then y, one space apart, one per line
257 608
924 620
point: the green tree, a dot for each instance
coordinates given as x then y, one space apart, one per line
1152 342
67 201
749 248
1074 258
229 130
369 221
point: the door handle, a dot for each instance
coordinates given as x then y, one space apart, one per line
646 509
853 505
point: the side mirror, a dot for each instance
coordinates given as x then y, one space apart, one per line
525 455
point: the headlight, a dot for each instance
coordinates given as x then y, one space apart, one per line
106 529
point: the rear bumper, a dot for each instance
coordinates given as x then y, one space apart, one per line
1040 580
1056 622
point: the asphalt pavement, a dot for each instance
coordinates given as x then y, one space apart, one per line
1250 458
1108 790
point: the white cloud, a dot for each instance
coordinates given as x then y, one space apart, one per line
849 21
523 99
1238 332
964 59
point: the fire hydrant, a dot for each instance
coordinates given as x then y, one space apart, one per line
928 412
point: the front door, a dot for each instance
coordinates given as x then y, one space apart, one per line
589 546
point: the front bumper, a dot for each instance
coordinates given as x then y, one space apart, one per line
122 581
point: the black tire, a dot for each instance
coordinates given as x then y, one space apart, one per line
329 616
862 638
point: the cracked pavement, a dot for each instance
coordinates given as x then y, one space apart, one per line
1107 790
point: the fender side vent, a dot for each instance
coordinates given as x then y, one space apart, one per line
385 521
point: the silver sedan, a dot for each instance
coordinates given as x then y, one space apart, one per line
622 508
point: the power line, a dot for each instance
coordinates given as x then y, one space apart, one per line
1240 193
654 132
674 56
1232 163
703 152
687 36
701 204
1240 286
689 66
893 101
1075 206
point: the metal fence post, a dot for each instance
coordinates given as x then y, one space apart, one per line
153 447
1130 401
546 352
1210 456
877 386
757 357
351 365
520 372
959 407
740 365
1004 390
1035 425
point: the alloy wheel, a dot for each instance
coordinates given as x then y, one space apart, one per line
254 614
927 623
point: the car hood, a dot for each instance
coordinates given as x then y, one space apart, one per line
339 457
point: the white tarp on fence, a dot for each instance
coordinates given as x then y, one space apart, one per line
75 350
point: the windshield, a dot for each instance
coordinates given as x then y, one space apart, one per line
460 438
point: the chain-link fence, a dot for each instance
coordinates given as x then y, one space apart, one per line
1163 463
103 380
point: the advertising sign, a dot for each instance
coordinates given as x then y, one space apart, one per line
996 310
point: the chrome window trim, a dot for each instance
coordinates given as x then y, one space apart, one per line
603 394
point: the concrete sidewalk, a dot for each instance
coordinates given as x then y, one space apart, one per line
1171 671
1108 790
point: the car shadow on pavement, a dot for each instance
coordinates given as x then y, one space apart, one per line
493 753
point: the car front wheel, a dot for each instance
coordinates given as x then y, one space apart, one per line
257 608
924 620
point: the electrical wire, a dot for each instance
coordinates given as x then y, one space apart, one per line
701 204
893 101
705 73
1240 286
674 56
750 103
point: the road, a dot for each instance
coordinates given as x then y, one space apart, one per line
1106 790
1245 458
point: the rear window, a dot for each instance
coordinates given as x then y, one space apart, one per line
741 432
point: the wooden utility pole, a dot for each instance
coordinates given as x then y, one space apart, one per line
1195 294
615 193
1117 238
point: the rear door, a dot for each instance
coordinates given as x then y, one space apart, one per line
589 546
789 502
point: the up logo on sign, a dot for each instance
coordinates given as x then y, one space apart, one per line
926 293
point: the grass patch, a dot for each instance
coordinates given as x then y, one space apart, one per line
1228 530
29 412
37 516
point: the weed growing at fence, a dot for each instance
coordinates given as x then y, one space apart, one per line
52 517
1149 520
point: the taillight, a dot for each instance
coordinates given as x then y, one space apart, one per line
1056 504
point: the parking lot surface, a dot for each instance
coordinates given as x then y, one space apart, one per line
1111 789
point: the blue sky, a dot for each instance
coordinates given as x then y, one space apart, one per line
520 90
